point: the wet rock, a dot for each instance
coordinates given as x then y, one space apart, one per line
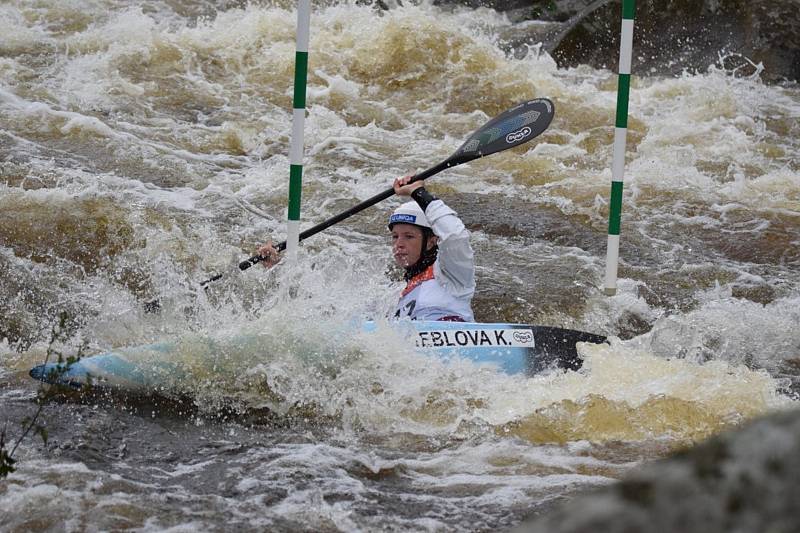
746 480
670 36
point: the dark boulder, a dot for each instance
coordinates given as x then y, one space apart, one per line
745 480
670 36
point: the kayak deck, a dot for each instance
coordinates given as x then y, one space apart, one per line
511 348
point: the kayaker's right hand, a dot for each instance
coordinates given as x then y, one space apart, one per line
270 254
402 187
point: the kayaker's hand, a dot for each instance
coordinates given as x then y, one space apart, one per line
270 254
403 188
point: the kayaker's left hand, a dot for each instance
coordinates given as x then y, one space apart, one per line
270 256
403 188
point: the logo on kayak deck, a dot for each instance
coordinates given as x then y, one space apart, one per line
469 338
516 136
524 336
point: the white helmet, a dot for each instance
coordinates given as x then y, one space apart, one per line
409 213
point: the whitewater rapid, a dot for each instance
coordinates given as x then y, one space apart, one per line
144 147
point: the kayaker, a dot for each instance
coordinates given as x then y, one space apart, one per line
431 243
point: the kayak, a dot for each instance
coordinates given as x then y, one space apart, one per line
510 348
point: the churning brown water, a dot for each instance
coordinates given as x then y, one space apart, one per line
144 147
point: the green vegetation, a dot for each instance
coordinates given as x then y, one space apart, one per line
43 395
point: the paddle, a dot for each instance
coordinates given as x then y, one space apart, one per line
511 128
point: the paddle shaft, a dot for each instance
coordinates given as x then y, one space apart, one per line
244 265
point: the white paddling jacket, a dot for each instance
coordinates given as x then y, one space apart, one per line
445 289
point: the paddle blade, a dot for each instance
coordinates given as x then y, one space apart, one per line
516 126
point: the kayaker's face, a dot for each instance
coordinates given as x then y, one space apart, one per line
406 244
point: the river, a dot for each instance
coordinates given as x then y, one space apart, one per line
144 147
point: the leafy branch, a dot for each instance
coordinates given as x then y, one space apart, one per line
43 394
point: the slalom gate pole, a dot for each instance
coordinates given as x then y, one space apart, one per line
298 126
620 136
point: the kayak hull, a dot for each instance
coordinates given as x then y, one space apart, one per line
510 348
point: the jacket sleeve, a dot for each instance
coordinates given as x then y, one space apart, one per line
455 264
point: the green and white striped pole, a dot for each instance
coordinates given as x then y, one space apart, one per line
620 135
298 126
